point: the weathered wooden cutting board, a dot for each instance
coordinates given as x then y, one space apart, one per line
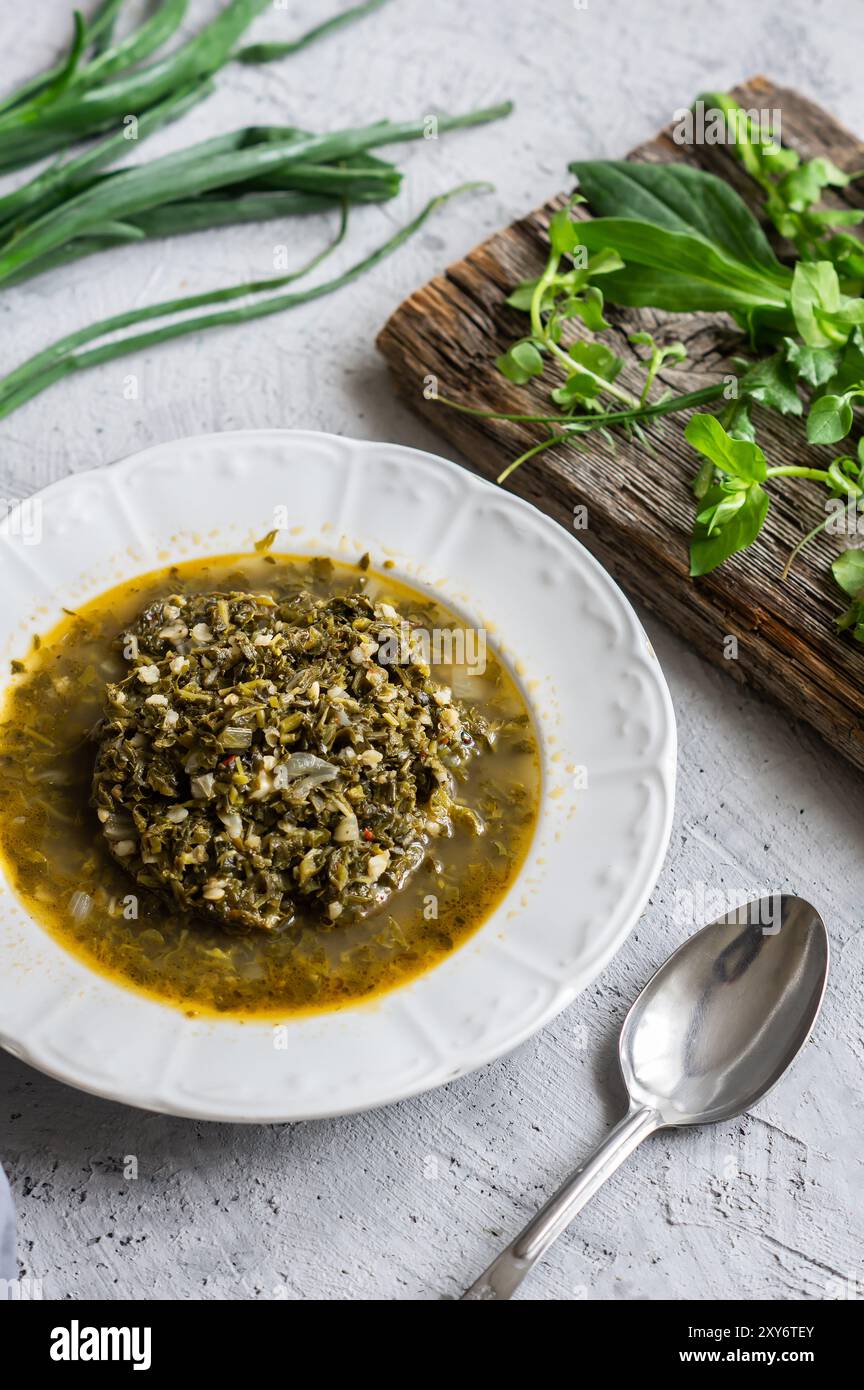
453 328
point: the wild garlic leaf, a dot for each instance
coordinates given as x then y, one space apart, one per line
708 550
740 458
771 382
681 199
830 420
681 271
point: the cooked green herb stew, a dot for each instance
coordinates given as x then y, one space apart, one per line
264 784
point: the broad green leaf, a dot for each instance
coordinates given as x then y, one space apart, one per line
830 420
707 551
848 570
740 458
681 199
680 271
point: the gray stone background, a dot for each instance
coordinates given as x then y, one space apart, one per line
410 1202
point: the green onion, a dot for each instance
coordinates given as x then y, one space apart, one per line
53 363
236 158
27 135
70 103
97 30
137 46
47 189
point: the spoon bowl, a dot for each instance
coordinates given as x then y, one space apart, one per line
720 1021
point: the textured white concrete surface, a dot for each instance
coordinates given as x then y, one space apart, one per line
410 1202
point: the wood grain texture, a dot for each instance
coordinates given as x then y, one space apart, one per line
453 328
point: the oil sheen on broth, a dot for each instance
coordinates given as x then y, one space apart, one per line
56 853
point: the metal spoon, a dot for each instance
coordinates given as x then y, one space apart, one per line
707 1038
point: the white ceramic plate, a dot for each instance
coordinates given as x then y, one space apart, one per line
599 698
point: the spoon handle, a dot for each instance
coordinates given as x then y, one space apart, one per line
506 1273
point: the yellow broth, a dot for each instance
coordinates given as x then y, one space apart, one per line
56 857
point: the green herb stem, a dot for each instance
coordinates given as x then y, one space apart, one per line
691 400
267 52
530 454
816 475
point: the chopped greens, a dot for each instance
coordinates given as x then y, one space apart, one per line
263 756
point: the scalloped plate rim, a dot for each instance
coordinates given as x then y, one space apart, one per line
567 990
